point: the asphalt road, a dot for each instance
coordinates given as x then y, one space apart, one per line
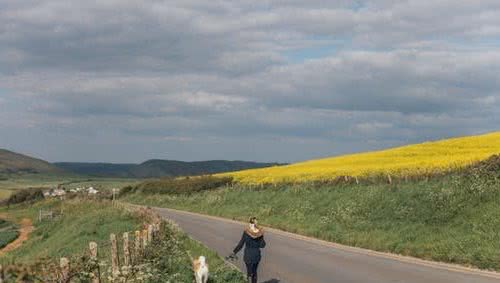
290 258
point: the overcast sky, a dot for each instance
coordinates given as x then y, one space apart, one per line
125 81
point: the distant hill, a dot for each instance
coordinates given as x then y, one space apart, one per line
11 162
159 168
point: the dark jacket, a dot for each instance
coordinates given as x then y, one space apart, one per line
253 242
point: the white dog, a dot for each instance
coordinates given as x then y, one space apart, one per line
200 268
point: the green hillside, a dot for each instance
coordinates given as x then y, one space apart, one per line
159 168
451 218
11 162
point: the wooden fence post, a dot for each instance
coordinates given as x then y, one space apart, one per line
144 238
137 246
126 251
2 277
64 265
150 233
157 229
357 181
389 179
114 255
96 276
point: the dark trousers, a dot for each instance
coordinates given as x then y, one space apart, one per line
252 271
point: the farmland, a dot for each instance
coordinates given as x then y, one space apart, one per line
452 218
13 182
80 221
412 160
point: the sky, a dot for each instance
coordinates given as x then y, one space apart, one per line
126 81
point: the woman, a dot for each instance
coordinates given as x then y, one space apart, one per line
253 239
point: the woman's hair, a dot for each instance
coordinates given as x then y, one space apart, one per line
252 220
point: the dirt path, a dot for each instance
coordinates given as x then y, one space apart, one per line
26 227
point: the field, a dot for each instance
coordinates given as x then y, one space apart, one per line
83 221
14 182
8 232
452 218
411 160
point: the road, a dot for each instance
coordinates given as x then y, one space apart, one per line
290 258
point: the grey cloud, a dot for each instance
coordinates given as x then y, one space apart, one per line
197 80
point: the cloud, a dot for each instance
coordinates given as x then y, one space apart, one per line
269 80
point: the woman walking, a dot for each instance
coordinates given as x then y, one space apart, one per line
253 240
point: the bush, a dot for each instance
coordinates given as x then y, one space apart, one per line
25 195
179 186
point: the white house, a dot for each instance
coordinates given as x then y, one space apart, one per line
58 193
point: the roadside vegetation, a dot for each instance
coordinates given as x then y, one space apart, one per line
77 222
452 218
429 158
171 259
186 185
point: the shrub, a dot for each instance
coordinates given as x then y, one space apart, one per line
179 186
25 195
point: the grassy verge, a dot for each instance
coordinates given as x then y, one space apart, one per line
82 221
219 270
70 233
171 258
451 219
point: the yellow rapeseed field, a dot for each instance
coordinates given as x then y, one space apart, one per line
416 159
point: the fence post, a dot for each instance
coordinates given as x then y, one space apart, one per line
157 229
144 238
137 246
96 276
126 251
389 179
114 255
357 181
150 233
64 265
2 277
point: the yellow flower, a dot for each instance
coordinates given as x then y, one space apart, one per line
416 159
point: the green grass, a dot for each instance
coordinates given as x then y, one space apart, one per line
171 257
219 270
453 219
84 221
8 232
21 181
81 222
